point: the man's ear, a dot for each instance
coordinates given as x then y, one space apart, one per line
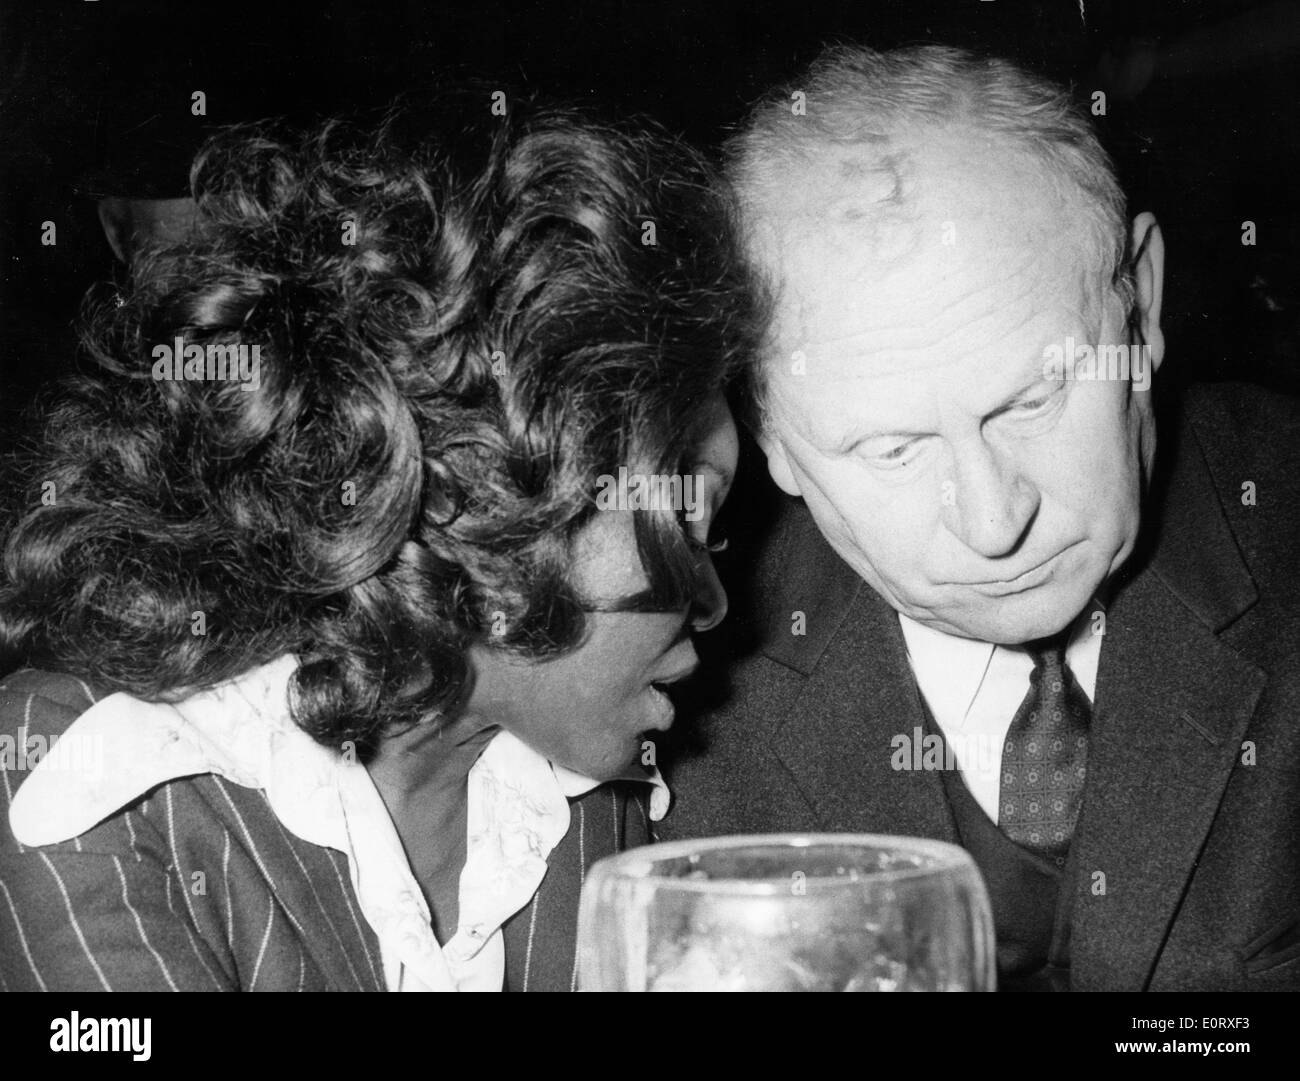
116 220
1148 255
778 463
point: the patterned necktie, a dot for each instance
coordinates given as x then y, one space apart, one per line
1044 759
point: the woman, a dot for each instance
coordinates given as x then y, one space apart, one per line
323 604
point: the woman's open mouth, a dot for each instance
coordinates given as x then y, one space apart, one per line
662 706
661 697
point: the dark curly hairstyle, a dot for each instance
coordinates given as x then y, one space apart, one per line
462 320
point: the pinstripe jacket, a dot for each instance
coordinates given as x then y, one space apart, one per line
198 885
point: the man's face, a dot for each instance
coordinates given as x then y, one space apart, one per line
908 400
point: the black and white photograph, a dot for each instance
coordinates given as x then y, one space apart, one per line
614 495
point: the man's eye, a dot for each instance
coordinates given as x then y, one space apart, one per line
895 456
1040 401
1033 403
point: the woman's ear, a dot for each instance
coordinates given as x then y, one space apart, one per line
115 219
1147 250
129 223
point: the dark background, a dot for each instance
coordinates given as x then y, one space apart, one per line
1202 113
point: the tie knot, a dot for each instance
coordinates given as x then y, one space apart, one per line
1048 660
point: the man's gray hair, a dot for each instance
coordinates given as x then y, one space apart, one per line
853 96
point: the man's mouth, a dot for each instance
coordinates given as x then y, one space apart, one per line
1026 580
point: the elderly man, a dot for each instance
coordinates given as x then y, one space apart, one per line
996 615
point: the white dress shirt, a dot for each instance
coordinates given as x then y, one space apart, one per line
242 730
974 689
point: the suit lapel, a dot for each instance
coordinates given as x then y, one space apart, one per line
857 697
307 883
1172 705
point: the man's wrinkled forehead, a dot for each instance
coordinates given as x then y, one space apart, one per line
880 211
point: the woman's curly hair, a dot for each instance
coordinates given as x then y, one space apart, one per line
462 321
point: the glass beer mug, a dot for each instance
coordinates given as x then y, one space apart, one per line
785 912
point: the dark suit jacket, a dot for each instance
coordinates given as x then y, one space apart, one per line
1199 675
198 887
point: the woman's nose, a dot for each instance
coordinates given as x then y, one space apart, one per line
709 605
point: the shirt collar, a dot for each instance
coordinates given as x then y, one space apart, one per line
951 668
242 730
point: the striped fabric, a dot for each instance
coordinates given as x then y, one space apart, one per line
606 820
197 886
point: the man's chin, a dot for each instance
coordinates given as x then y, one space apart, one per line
1016 619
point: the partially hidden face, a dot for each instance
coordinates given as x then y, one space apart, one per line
593 708
910 399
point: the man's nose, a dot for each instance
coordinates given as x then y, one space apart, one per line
991 504
709 604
